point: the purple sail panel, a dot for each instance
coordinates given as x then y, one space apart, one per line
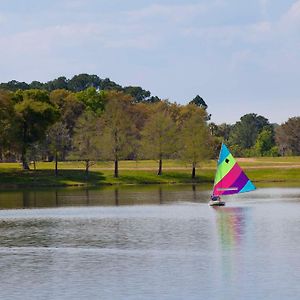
239 184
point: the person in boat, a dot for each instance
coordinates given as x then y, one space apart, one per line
215 198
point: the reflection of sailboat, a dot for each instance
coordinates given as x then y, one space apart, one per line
230 178
232 224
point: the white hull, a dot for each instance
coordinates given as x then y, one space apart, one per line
216 203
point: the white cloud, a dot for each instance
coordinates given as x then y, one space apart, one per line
291 19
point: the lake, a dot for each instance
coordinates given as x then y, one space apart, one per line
149 242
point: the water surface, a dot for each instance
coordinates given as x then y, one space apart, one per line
149 243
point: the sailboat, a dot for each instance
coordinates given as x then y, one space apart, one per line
229 179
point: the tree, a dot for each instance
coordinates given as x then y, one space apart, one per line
159 138
244 132
288 136
85 140
69 105
35 114
195 139
14 85
57 84
107 84
36 85
83 81
7 117
119 131
138 94
93 99
58 139
264 143
199 102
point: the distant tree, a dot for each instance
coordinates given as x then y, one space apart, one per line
7 120
288 136
159 139
36 85
14 85
58 139
107 84
69 105
265 143
57 84
82 81
137 93
119 130
244 132
195 139
93 100
199 102
153 99
34 114
85 140
222 131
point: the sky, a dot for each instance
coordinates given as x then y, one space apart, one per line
239 56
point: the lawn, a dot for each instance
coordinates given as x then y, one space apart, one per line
260 171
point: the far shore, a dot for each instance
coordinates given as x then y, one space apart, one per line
262 171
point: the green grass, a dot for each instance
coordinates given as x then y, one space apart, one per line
260 170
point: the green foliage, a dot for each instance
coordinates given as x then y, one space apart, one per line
7 122
244 132
85 140
33 116
93 99
83 81
264 143
59 83
195 140
138 94
159 139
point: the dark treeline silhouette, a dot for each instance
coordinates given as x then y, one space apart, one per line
79 83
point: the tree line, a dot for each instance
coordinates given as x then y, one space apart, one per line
93 125
254 136
89 123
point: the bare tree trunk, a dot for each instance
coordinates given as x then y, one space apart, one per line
116 174
23 159
159 172
87 165
56 163
23 155
194 171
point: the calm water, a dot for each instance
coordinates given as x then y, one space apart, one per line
149 243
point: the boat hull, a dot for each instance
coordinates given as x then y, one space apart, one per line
216 203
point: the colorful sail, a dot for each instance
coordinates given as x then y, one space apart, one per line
230 178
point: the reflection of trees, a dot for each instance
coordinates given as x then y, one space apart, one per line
117 196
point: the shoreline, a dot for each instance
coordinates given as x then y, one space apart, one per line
12 180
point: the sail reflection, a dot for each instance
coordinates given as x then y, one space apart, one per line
232 225
233 233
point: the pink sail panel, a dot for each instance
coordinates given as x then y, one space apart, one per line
228 180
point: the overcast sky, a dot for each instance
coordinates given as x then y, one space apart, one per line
239 56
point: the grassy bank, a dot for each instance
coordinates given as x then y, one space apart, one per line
260 170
